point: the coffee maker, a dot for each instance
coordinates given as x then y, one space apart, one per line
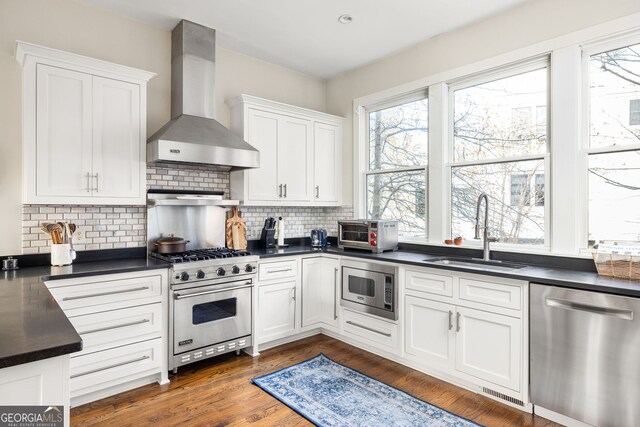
318 238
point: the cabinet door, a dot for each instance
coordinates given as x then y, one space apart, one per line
263 133
63 132
294 158
488 346
320 292
117 149
430 332
276 311
326 162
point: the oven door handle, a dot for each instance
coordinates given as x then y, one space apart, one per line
177 295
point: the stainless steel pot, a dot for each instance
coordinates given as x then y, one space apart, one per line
171 245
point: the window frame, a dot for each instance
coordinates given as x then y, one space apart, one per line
510 70
390 103
587 50
565 188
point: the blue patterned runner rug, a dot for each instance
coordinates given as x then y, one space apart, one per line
332 395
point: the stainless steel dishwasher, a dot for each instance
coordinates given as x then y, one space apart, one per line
585 355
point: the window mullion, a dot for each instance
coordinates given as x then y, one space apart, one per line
438 194
566 219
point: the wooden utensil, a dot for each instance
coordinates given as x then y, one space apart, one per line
236 230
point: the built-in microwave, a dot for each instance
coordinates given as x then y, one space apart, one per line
370 288
375 235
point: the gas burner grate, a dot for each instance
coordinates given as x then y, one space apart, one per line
200 255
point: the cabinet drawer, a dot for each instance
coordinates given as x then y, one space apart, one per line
108 329
128 292
278 270
491 293
117 365
429 283
371 329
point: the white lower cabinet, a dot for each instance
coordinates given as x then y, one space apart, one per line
430 335
469 327
102 369
320 292
371 330
276 311
489 346
122 320
43 382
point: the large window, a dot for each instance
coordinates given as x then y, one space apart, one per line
396 176
499 147
614 144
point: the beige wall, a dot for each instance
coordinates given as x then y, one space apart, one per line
532 22
73 26
237 73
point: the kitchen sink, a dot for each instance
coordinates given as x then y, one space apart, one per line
476 264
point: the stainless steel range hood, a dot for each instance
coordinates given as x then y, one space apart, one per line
193 135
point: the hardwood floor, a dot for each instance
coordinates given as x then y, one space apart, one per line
219 392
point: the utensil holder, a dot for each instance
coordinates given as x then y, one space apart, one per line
62 254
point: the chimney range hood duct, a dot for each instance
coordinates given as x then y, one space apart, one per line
193 135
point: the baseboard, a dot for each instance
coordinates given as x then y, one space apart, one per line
120 388
559 418
287 340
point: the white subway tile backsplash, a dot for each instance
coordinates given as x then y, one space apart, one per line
108 227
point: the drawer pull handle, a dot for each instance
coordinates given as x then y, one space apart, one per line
143 288
607 311
115 365
386 334
108 328
279 271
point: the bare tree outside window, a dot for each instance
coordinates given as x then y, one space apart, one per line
396 179
494 140
614 136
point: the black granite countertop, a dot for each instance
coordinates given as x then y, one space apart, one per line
554 276
32 324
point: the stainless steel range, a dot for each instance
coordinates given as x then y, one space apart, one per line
211 288
209 303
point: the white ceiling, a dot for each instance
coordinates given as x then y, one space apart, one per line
305 34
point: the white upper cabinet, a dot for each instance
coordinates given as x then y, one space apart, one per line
116 138
64 122
327 168
84 129
300 154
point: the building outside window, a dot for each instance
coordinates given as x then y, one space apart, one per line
498 148
614 144
396 176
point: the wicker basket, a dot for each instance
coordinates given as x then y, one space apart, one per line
617 265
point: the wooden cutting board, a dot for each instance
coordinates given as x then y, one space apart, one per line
236 230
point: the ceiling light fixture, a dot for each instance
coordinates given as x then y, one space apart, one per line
345 19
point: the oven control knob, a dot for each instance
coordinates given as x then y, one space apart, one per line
248 268
200 274
374 243
235 269
373 235
220 271
184 276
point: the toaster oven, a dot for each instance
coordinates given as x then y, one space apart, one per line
375 235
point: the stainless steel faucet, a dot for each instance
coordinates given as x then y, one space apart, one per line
485 232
